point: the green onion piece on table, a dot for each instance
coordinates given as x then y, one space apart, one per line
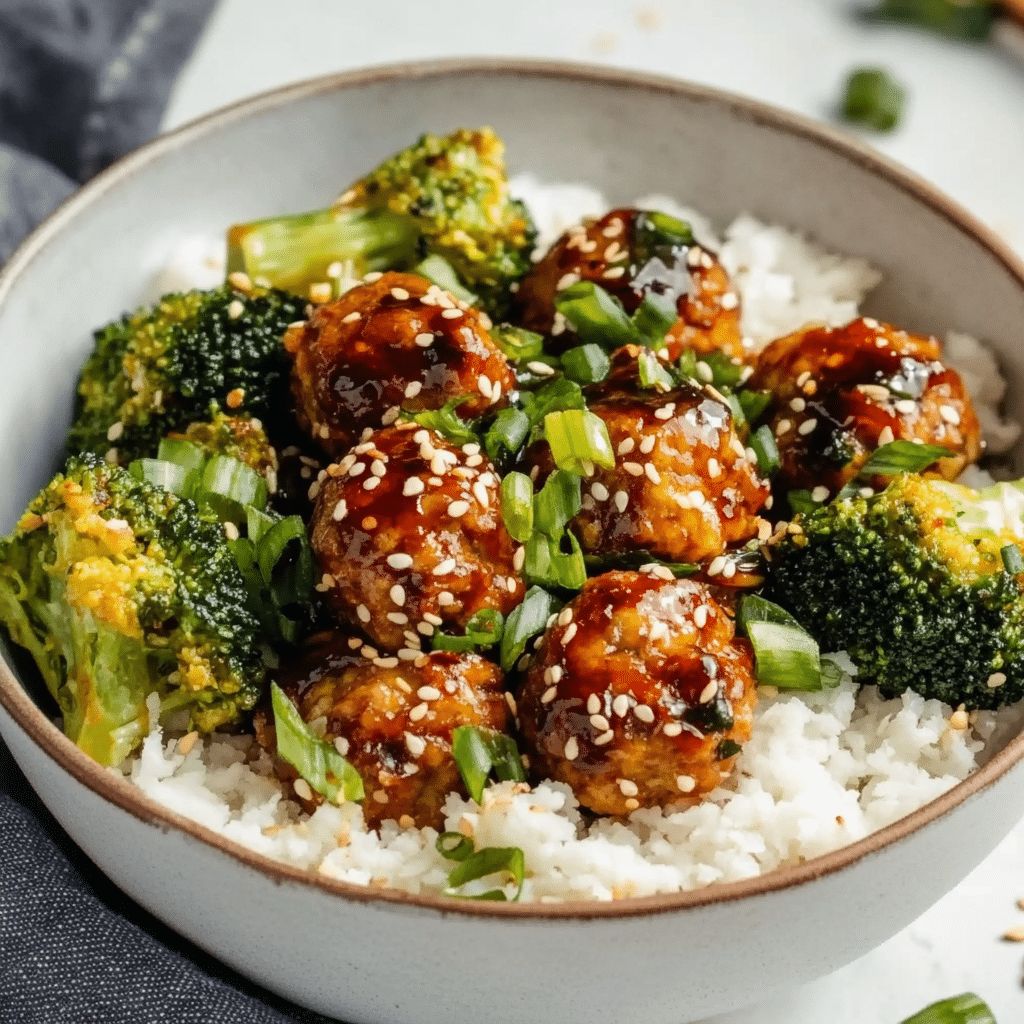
478 752
578 437
958 19
317 761
586 364
786 654
517 505
524 622
874 98
439 271
966 1008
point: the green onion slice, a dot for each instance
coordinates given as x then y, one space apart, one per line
653 374
576 437
903 457
762 441
786 654
483 630
547 564
1013 561
439 271
754 404
489 861
597 316
659 235
654 318
257 523
228 486
454 846
524 622
517 505
169 475
966 1008
295 582
874 98
507 433
183 453
959 19
597 564
446 422
517 342
317 761
479 751
557 502
586 364
801 502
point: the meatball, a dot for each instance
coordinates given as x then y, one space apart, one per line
683 487
394 342
842 392
616 253
392 721
640 694
409 536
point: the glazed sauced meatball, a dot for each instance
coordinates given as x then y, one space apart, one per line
392 721
683 487
408 533
396 342
639 695
616 252
842 392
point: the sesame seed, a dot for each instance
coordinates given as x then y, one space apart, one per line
424 340
510 585
519 559
644 713
458 508
549 695
425 628
302 790
819 494
784 427
605 737
621 705
356 468
672 729
947 412
700 616
380 796
570 632
434 620
704 372
729 300
481 494
369 652
995 680
495 391
626 445
613 272
416 745
876 392
386 662
418 712
685 783
599 722
621 500
633 468
413 388
240 281
866 492
400 561
351 318
445 598
652 474
632 804
363 612
115 430
593 704
665 412
391 415
540 369
886 436
708 693
377 468
647 444
341 745
628 788
399 293
483 383
798 405
451 314
230 530
906 406
428 693
958 720
572 749
599 491
803 378
566 281
564 617
398 594
696 498
371 483
717 565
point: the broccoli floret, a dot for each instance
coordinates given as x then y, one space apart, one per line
912 584
120 590
241 437
165 366
444 196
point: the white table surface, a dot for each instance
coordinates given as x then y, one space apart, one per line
963 130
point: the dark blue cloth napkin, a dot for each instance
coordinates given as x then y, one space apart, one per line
81 83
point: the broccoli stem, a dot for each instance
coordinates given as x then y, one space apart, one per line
296 251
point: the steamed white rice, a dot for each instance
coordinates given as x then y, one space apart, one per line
820 770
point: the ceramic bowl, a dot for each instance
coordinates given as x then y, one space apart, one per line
373 956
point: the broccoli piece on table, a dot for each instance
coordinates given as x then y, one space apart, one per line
160 368
120 590
443 196
912 583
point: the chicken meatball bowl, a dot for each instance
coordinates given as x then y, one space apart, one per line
480 537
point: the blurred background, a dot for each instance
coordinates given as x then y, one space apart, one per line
960 126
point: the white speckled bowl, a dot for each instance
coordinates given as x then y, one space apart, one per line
374 956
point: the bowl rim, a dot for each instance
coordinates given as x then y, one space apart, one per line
112 788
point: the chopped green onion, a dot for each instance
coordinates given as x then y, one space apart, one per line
1013 561
546 563
597 317
873 98
517 342
786 654
727 748
228 486
294 583
517 505
183 453
317 761
725 372
479 751
439 271
966 1008
959 19
801 502
578 437
831 674
446 422
452 644
902 457
653 374
558 396
484 629
739 416
487 861
586 364
762 441
661 236
654 318
597 564
524 622
754 404
169 475
556 503
257 523
507 433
